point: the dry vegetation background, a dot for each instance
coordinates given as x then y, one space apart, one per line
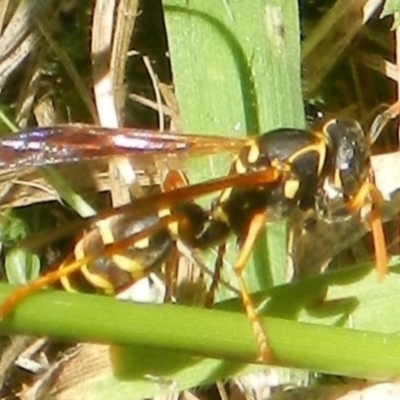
106 63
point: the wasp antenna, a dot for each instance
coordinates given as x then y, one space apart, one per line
381 120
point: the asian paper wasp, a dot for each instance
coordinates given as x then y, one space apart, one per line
272 175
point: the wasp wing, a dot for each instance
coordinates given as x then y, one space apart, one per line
64 144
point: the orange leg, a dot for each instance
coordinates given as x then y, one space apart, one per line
257 223
378 234
47 280
369 189
380 245
376 222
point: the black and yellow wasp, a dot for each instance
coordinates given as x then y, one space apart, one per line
271 176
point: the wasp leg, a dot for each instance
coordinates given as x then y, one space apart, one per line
377 233
256 225
171 270
368 189
47 280
219 263
379 244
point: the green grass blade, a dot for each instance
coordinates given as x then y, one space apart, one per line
236 71
180 335
66 193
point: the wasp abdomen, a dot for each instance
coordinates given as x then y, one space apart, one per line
112 274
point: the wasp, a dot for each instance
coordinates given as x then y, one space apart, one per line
271 176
